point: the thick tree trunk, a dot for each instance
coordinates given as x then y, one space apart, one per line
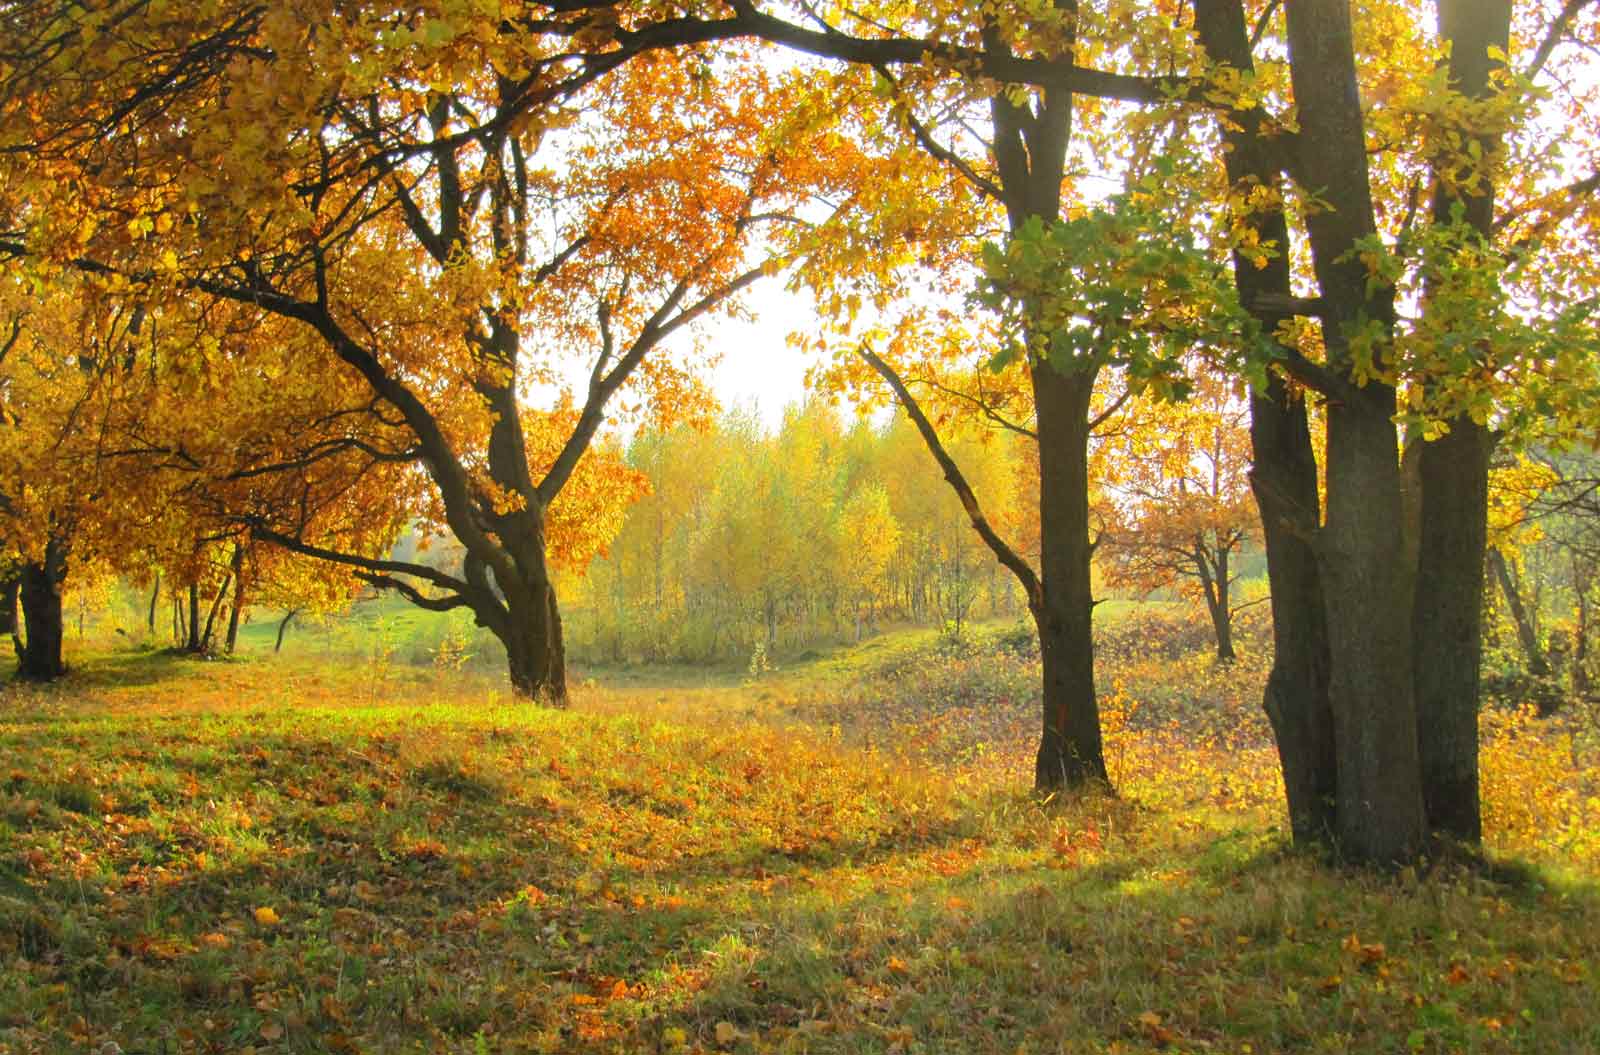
1447 625
1283 478
1380 807
1360 549
1070 750
40 592
535 651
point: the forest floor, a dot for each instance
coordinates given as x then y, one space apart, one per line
293 855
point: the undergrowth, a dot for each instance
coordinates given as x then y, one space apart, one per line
287 858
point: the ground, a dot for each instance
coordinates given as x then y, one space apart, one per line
296 855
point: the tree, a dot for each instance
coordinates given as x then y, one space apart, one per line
403 229
868 535
1177 477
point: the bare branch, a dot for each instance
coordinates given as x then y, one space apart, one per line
1552 36
1007 556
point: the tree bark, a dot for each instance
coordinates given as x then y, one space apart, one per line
155 595
535 650
1070 753
1283 477
1453 472
192 624
40 592
10 586
1213 574
1447 625
211 613
1380 816
237 607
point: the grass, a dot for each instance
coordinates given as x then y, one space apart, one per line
295 856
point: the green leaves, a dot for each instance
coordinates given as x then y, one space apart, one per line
1118 285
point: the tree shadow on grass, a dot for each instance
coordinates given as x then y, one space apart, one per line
306 886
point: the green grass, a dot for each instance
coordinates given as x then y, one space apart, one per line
296 856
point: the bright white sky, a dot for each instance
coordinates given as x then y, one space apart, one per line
758 368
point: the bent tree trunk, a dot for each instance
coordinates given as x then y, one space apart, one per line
40 592
1283 476
283 627
1070 750
211 614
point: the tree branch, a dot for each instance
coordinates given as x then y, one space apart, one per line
1007 556
370 565
1552 36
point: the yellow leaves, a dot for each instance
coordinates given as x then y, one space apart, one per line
727 1034
267 916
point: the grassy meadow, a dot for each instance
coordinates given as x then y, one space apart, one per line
364 845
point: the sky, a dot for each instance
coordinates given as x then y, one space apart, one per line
758 369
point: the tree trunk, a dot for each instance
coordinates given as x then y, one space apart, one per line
1213 573
1380 817
40 592
283 627
1582 582
10 585
1527 636
1447 618
238 598
155 595
1380 806
1221 613
211 614
535 652
1070 750
192 625
1283 478
1447 625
